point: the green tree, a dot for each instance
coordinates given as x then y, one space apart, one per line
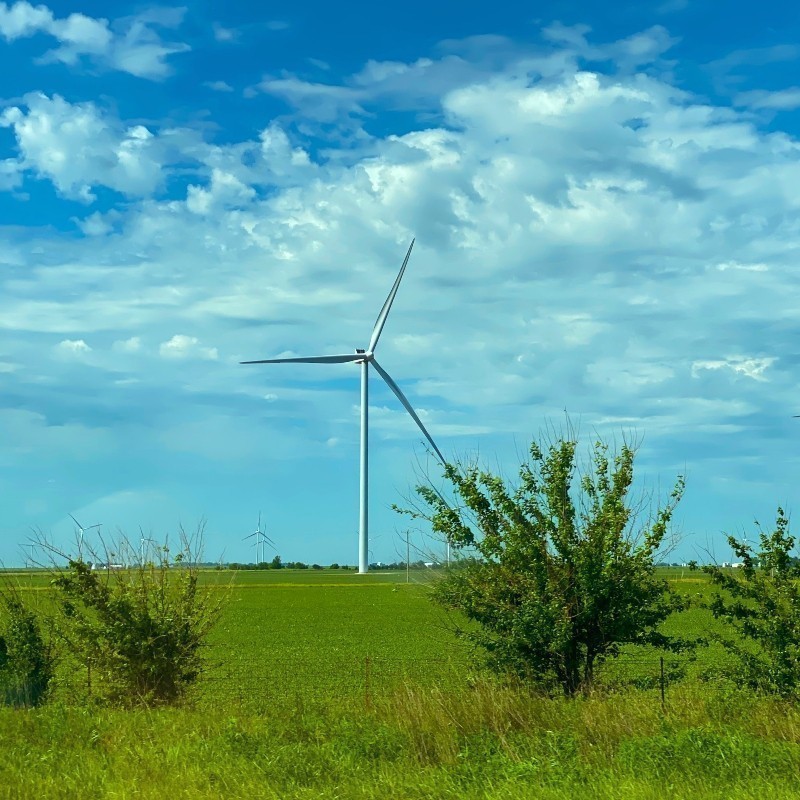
761 602
563 573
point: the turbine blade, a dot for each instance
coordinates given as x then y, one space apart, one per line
76 522
343 359
387 306
402 398
270 542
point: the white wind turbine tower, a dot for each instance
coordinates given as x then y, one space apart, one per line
82 531
261 540
365 358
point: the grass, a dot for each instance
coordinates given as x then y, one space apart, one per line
334 685
484 742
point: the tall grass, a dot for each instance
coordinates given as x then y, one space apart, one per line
483 741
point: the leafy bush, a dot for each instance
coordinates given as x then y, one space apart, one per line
761 601
561 579
140 629
26 660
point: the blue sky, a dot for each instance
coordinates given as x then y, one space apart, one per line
605 203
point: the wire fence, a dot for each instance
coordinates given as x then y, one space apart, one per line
280 679
367 679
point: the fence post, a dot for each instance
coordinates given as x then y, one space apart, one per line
662 683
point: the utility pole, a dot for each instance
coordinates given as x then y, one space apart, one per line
408 559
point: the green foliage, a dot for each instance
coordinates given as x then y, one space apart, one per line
26 660
761 601
558 584
139 630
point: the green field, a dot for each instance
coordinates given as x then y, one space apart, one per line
333 684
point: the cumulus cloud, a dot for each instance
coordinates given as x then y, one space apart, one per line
80 146
132 345
23 19
182 346
73 348
75 146
131 44
223 191
96 224
753 368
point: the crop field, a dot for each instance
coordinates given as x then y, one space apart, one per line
319 635
333 636
336 636
331 684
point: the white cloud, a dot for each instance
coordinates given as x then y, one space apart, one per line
73 348
10 174
132 345
278 151
746 267
753 368
76 147
219 86
131 45
224 191
781 100
79 35
181 346
23 19
95 224
141 52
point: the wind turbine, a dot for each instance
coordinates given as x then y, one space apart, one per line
29 562
82 531
261 540
366 357
142 540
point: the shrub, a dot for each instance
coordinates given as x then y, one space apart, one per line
26 660
140 629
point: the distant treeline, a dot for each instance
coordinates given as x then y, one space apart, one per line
277 563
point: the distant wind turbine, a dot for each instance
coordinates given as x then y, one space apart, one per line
365 358
82 531
261 540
